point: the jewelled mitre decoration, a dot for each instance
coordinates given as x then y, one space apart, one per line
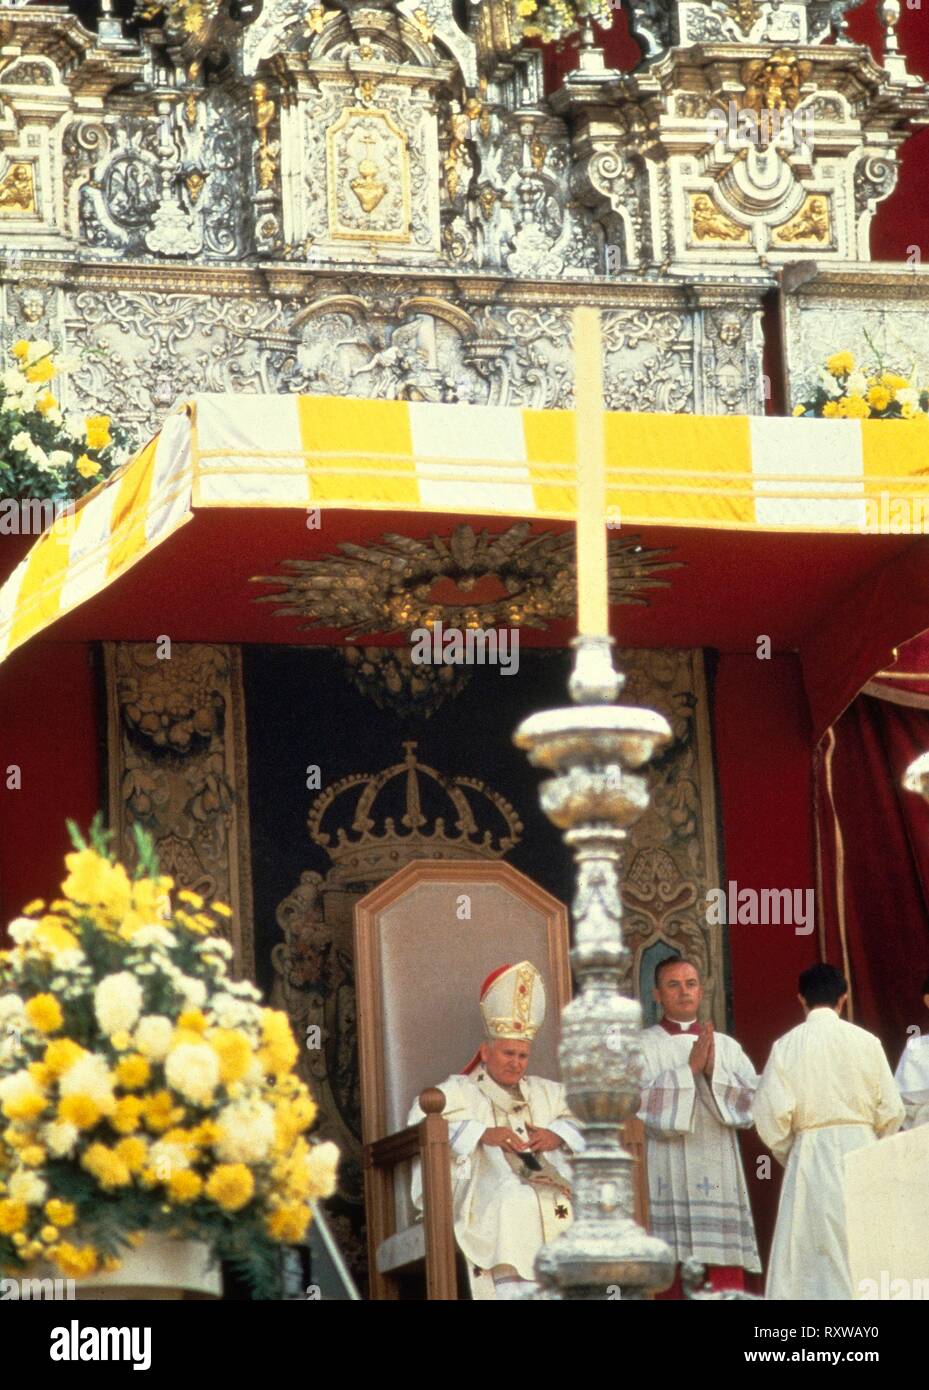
513 1004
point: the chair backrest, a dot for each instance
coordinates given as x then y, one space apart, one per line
425 940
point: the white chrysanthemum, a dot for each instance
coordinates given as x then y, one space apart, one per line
40 458
118 1002
193 1070
242 989
21 442
18 1086
39 347
59 458
856 384
167 1158
193 990
13 380
74 427
153 1036
26 1186
230 1012
89 1076
907 395
215 945
11 1006
322 1165
70 960
829 384
154 934
60 1137
246 1131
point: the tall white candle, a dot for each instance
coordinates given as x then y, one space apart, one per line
592 570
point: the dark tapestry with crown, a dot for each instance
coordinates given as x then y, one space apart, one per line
292 780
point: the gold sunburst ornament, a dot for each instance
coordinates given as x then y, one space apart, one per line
466 580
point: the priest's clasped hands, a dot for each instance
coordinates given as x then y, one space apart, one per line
540 1140
703 1052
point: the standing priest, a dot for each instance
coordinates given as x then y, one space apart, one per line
912 1076
510 1135
697 1089
826 1090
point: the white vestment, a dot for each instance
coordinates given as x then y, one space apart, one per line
698 1200
912 1078
827 1089
504 1213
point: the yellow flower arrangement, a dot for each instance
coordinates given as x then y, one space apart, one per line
145 1089
847 390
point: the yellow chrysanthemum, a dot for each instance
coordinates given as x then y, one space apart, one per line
87 467
107 1167
98 431
205 1133
279 1052
37 905
48 1234
193 1020
46 402
186 895
95 882
74 1261
893 382
13 1216
20 349
79 1110
133 1071
230 1186
32 1155
62 1213
235 1053
856 408
62 1054
41 1074
53 935
222 909
150 897
127 1116
289 1222
840 363
160 1112
43 370
44 1012
26 1105
184 1186
133 1152
798 410
879 398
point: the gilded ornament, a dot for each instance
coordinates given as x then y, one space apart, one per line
709 224
773 83
190 109
17 189
194 182
366 187
422 26
808 227
263 113
316 19
537 153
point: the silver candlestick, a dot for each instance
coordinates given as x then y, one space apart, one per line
595 749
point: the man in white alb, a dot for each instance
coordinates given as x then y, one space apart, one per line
510 1135
912 1076
697 1088
826 1090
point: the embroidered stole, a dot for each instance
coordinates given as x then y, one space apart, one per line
550 1188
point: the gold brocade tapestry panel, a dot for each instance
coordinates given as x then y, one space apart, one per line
177 765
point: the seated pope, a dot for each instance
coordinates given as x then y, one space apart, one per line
510 1135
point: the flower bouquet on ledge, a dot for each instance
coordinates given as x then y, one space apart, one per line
45 453
846 391
143 1090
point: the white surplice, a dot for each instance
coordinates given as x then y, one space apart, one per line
827 1089
503 1213
912 1078
698 1199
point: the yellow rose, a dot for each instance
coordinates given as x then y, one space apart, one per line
62 1213
44 1012
98 431
87 467
230 1186
840 363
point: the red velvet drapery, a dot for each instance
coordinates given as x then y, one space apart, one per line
874 848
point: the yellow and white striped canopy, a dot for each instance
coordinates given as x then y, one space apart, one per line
733 472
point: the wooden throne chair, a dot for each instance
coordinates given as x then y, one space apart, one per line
425 940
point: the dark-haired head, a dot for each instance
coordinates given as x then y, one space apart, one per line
822 984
